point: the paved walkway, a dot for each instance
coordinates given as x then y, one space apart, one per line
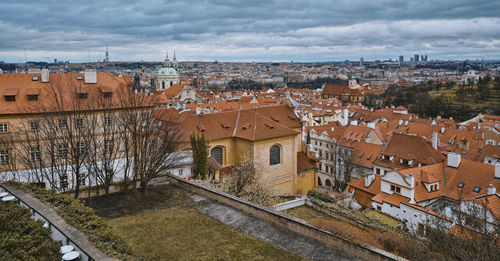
291 241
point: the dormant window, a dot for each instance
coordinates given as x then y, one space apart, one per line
4 127
108 146
62 124
62 151
81 148
34 126
216 153
275 155
107 121
396 189
79 123
35 153
4 157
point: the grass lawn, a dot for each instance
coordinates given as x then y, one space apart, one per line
383 218
161 225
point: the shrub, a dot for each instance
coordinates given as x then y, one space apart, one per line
22 238
83 218
321 196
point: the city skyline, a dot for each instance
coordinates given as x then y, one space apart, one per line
259 31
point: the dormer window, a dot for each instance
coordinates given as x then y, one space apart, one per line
460 185
79 77
82 96
477 189
10 95
107 94
433 188
32 97
396 189
34 78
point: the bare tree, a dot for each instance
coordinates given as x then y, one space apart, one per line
150 139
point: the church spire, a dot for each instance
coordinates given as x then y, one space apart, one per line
167 63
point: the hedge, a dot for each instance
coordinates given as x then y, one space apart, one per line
83 218
23 238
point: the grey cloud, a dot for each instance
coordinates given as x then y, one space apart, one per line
250 26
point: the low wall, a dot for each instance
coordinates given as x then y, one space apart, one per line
290 204
61 231
357 250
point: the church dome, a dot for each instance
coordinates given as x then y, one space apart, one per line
167 71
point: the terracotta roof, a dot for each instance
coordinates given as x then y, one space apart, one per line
365 153
373 189
408 148
393 199
173 91
65 85
252 124
10 92
304 162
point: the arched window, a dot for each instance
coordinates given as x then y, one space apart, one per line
162 85
319 182
274 155
216 153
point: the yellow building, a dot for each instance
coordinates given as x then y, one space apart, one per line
270 135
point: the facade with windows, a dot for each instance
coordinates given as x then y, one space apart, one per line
255 133
40 135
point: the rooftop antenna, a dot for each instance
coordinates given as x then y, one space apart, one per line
25 60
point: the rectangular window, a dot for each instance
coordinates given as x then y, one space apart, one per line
79 123
34 126
396 189
108 146
81 148
35 153
4 127
4 157
63 183
62 124
10 98
180 173
82 179
62 151
107 121
377 171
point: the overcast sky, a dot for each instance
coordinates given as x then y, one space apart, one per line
249 30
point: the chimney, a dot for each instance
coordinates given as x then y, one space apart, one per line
369 178
346 117
497 170
90 76
410 179
442 130
435 140
454 160
198 110
491 190
371 125
45 75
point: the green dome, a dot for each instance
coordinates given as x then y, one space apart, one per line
167 71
